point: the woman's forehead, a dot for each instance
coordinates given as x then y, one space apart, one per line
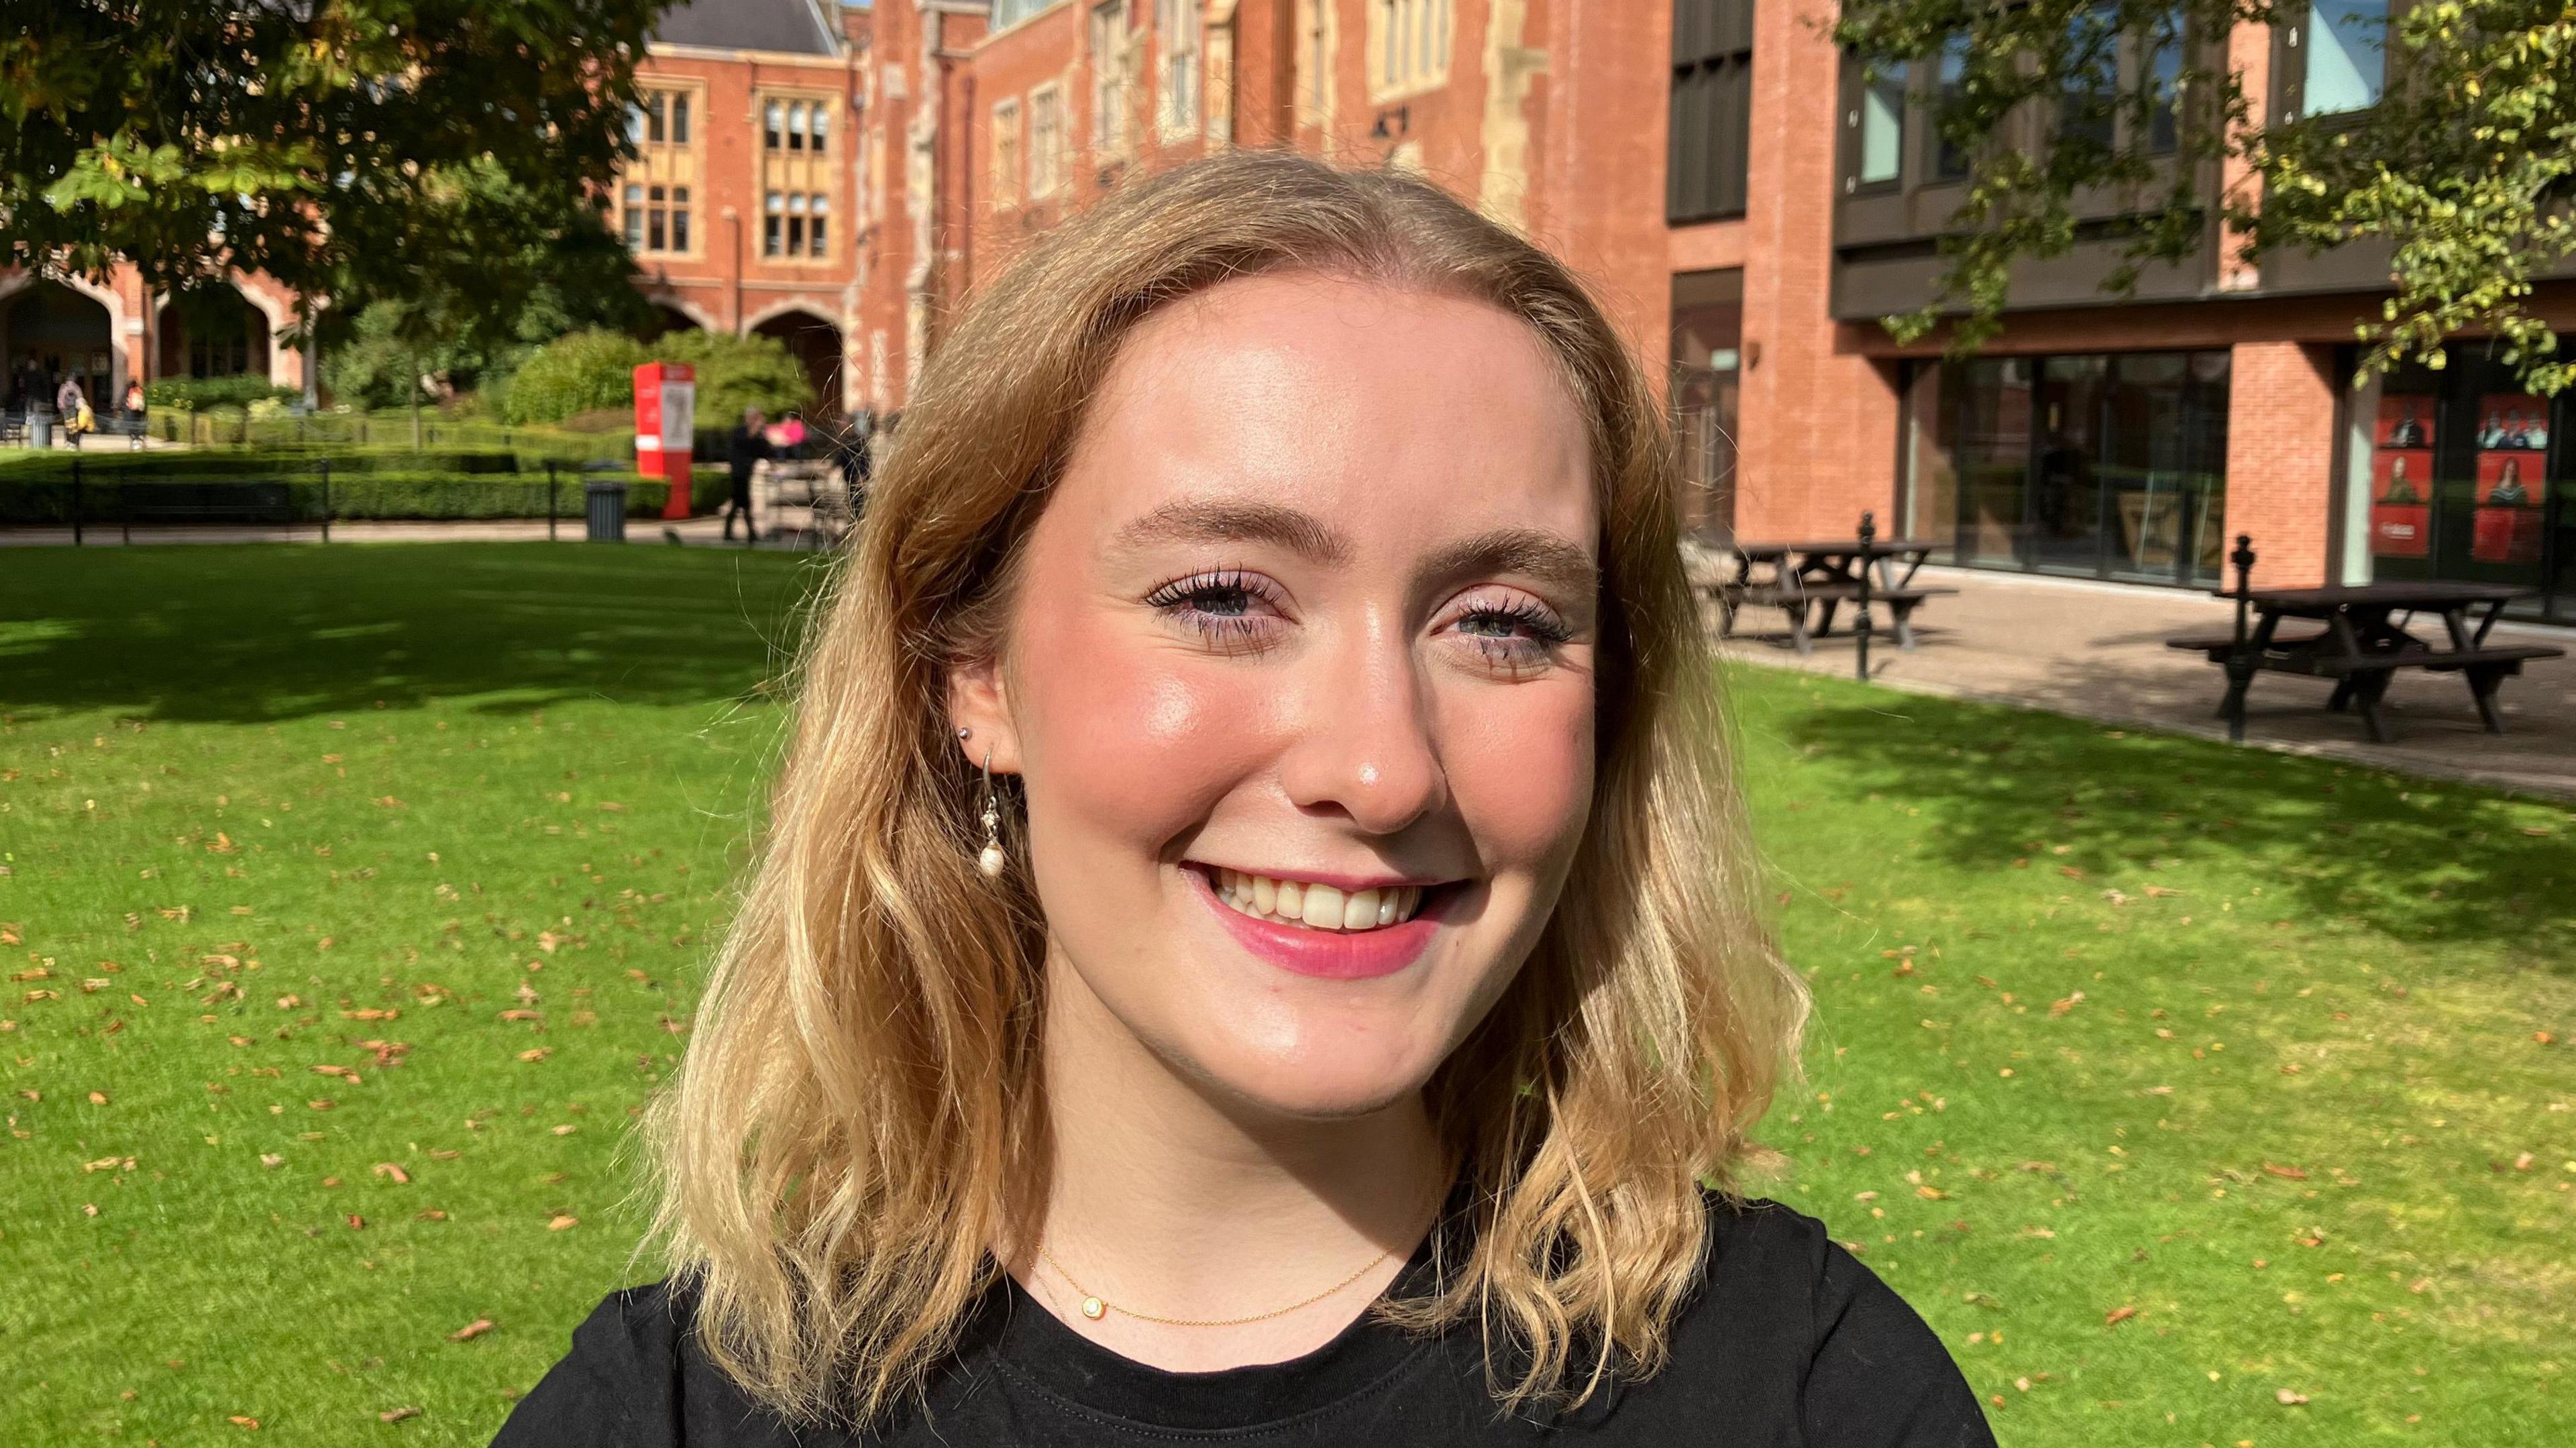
1343 397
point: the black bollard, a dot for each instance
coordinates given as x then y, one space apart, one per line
1860 626
2240 659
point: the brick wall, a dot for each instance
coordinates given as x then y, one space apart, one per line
1818 423
2280 453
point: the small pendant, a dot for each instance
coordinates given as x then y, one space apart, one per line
1094 1308
992 862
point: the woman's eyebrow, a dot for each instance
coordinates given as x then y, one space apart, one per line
1238 522
1548 558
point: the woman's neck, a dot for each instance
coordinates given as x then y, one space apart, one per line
1167 1198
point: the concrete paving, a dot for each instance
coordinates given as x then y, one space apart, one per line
2096 650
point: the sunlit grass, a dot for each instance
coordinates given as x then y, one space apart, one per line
503 791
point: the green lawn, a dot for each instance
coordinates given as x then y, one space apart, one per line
253 801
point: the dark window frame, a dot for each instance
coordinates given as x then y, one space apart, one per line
1855 94
1708 140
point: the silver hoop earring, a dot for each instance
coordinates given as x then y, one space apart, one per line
992 862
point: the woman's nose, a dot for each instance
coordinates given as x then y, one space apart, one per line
1365 745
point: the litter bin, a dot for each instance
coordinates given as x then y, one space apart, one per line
607 510
40 427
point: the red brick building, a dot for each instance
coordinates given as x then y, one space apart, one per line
1746 205
105 335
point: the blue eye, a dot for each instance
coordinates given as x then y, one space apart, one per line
1515 620
1224 608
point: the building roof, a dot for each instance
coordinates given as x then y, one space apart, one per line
796 27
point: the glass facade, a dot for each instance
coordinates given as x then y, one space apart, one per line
2347 60
2102 465
2460 474
1708 331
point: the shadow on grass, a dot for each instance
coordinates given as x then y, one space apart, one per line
2436 863
256 634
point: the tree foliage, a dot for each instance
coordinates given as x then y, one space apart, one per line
589 371
358 150
2466 166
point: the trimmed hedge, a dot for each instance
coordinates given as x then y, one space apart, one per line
206 392
296 494
56 465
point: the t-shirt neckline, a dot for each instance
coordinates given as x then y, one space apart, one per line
1032 1343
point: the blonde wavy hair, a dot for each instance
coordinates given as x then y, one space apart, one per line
859 1118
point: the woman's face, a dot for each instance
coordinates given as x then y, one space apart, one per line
1299 678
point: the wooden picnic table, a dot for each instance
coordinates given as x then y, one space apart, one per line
1810 580
2362 637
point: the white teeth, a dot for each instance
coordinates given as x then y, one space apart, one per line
1318 907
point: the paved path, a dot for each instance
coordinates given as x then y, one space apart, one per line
2097 651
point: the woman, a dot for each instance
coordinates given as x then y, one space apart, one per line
1253 939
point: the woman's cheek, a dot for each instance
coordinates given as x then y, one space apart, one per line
1139 740
1520 767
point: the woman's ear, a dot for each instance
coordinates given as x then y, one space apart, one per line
979 715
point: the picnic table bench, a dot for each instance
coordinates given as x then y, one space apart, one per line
1810 580
2358 636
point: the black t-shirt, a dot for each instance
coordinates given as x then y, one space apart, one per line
1788 1341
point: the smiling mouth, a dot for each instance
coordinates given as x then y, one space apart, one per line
1314 906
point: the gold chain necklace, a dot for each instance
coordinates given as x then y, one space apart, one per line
1096 1307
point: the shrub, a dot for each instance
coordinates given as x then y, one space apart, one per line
735 373
199 393
576 373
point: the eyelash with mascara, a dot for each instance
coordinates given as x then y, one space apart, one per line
1218 604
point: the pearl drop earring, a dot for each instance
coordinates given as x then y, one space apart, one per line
992 862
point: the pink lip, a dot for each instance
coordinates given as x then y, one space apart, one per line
1324 954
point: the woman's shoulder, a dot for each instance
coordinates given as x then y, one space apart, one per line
1786 1314
635 1377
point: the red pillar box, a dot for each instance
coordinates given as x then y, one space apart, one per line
666 418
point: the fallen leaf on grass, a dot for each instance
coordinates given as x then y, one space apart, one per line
357 1223
2288 1399
271 1160
2118 1315
536 1053
238 1421
471 1330
400 1177
1931 1194
567 1129
372 1013
560 1223
2295 1174
396 1415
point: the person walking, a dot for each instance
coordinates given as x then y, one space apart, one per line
72 406
743 448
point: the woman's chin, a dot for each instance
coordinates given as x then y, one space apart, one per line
1299 1086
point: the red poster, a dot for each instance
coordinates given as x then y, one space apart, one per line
2513 422
2405 421
2401 490
2506 528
